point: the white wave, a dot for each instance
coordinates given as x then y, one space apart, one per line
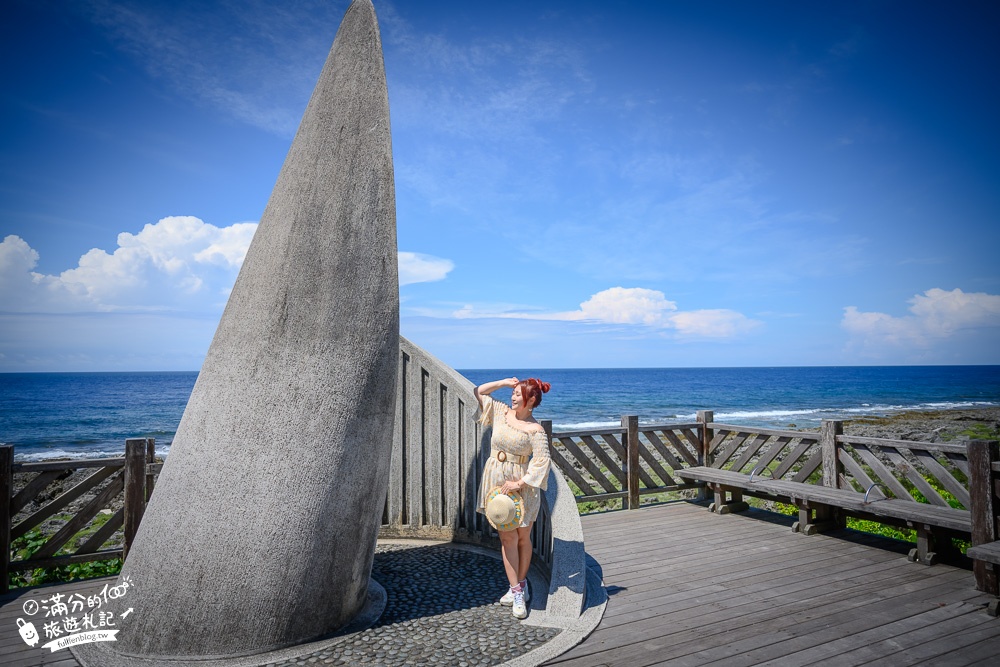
582 426
863 409
766 413
958 405
919 407
49 454
77 455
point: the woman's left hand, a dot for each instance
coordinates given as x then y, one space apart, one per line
511 485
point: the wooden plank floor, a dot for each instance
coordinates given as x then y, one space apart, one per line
687 587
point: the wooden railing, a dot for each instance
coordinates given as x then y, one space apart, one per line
603 466
129 478
626 462
905 469
793 455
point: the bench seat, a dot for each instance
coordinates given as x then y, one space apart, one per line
907 510
816 504
989 552
910 511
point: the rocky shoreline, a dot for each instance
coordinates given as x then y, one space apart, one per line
930 426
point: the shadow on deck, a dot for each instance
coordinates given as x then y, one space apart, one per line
692 588
688 587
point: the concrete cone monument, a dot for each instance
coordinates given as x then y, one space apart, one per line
261 531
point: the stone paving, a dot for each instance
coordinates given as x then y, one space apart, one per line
441 609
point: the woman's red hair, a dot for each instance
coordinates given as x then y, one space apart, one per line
533 388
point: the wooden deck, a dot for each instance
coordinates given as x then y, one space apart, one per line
688 587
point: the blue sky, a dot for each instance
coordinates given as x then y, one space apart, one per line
578 184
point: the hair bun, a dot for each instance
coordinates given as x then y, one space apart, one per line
532 390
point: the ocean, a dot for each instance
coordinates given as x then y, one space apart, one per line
89 415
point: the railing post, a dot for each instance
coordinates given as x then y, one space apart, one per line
135 491
705 417
630 423
984 508
150 460
832 467
6 488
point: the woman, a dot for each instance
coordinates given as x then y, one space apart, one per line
519 462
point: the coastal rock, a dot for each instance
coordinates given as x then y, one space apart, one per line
262 528
928 426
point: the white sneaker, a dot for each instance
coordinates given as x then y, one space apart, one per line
508 597
519 609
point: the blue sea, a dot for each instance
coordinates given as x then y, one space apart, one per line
84 415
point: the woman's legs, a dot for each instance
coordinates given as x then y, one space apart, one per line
510 550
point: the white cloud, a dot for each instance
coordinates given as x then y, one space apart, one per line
418 268
16 258
180 263
943 313
638 307
937 314
714 323
620 305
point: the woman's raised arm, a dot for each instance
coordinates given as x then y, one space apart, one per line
488 388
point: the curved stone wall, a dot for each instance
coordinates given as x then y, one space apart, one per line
438 453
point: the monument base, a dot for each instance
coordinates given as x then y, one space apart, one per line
103 655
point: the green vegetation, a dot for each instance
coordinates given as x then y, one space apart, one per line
860 525
591 506
27 545
978 431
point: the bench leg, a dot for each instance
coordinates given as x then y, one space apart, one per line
701 495
930 549
733 504
987 577
816 518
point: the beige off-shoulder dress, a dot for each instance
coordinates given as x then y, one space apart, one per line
512 440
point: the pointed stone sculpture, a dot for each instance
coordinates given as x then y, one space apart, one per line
261 531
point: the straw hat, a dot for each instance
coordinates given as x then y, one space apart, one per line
504 511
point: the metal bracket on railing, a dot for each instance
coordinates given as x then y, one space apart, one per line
754 472
872 487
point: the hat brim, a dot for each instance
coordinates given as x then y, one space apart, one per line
515 521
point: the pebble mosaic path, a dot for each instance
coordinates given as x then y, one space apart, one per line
441 609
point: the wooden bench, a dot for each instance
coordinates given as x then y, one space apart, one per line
823 508
988 553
